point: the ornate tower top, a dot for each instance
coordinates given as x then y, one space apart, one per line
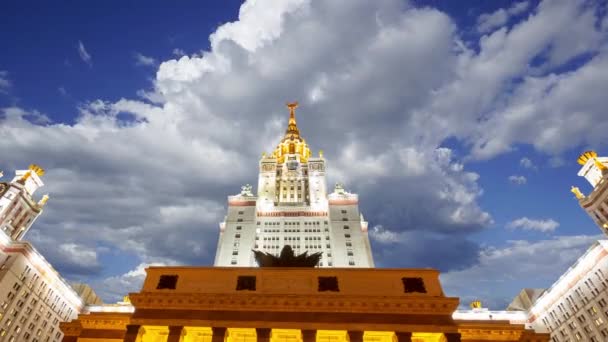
292 127
593 168
292 143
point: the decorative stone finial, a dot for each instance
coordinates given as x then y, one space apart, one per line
577 192
599 165
476 304
43 200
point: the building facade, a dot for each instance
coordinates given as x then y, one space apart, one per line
34 298
244 304
595 171
292 207
575 307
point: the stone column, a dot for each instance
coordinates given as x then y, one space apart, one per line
132 333
263 334
219 334
309 336
355 336
403 336
452 337
175 333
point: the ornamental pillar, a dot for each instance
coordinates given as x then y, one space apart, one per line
218 334
132 333
263 334
175 333
309 335
355 336
403 336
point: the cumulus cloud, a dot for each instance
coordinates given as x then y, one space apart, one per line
497 278
5 83
84 54
114 288
178 52
151 177
143 60
543 225
519 180
526 163
488 21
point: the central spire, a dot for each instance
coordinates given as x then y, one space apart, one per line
292 143
292 127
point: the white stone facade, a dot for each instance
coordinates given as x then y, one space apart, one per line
292 207
18 209
575 308
33 296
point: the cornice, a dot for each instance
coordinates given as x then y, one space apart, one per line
295 303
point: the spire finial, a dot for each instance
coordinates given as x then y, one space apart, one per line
577 192
43 201
292 111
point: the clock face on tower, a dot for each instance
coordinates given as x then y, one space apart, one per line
292 165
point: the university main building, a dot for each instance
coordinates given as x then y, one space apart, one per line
246 298
292 207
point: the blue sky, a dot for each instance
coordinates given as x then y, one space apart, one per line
458 123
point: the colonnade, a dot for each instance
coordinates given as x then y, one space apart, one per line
137 333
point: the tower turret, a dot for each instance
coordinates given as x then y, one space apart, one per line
595 171
18 209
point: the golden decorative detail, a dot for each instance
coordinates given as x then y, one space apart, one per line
582 159
126 299
577 192
476 304
36 168
25 177
43 200
320 153
292 142
599 165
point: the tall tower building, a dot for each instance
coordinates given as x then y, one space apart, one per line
34 298
18 209
292 207
595 170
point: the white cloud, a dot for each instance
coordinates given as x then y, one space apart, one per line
5 83
84 55
488 21
384 236
526 163
519 180
178 52
62 91
543 225
144 60
503 271
114 288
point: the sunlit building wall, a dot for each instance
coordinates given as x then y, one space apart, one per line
575 307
